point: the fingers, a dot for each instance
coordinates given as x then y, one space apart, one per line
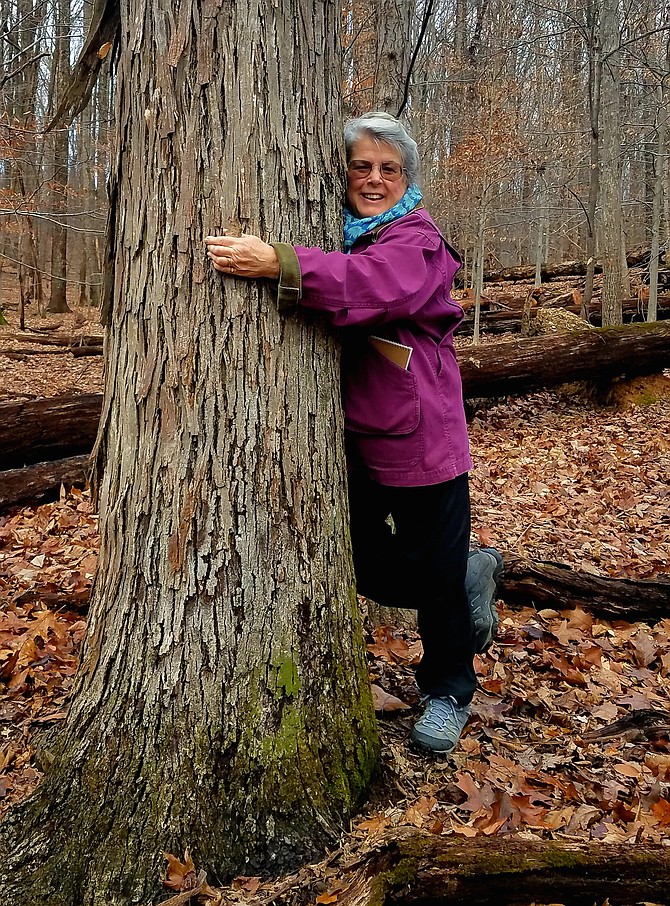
221 252
224 259
242 256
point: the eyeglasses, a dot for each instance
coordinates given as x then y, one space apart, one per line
389 171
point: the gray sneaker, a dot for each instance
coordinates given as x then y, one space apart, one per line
440 726
485 567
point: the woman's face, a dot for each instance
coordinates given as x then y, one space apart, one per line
372 194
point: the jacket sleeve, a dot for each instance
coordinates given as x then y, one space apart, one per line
390 279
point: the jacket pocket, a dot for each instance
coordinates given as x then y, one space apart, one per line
382 409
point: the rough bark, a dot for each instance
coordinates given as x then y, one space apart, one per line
222 702
416 868
556 585
21 486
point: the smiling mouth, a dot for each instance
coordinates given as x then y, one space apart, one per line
373 197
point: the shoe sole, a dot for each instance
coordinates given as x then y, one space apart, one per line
426 747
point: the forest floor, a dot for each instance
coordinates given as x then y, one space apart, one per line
570 730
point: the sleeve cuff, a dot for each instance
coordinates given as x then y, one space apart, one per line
289 290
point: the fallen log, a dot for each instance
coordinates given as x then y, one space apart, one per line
46 429
45 340
30 484
558 271
35 431
523 365
541 584
544 584
410 867
22 354
549 272
509 320
79 351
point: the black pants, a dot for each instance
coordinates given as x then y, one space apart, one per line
422 565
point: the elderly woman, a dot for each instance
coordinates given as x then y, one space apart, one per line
405 430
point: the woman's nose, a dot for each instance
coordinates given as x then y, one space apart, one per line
375 174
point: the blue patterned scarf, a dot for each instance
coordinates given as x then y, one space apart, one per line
355 227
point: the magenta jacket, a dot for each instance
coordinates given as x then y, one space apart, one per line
405 427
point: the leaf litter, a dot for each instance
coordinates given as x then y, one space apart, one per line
570 733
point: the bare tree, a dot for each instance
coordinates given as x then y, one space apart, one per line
610 165
222 702
660 165
377 36
59 74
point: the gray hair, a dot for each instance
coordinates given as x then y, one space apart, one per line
383 127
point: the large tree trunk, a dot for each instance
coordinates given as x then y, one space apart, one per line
222 702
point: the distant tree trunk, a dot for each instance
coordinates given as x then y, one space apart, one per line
660 165
22 162
381 53
594 90
222 703
61 69
610 162
539 239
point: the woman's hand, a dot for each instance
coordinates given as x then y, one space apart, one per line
242 256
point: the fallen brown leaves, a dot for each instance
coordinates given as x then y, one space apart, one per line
556 479
47 559
570 734
46 374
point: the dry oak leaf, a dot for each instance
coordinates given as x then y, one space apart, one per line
384 701
478 798
419 811
180 875
659 764
393 648
374 825
325 898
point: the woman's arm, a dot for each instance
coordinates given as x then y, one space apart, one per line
390 279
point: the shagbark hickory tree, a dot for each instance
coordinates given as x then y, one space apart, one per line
222 702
